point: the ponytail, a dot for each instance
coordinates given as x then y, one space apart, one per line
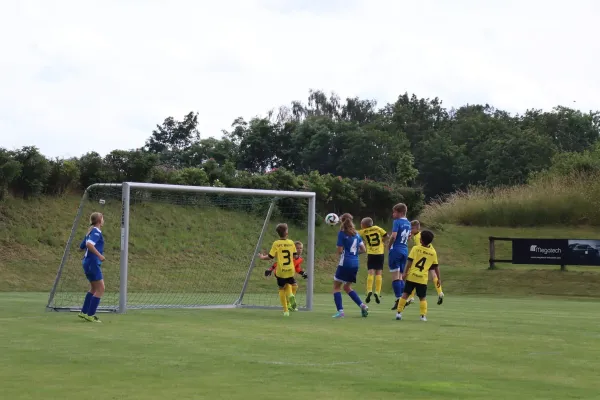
347 224
95 219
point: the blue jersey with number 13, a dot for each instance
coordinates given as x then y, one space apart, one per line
350 245
402 228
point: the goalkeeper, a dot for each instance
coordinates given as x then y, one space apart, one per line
298 260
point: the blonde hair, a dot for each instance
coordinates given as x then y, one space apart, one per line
400 208
368 222
347 224
298 243
416 223
95 219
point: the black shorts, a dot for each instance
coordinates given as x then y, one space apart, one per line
281 282
375 261
421 289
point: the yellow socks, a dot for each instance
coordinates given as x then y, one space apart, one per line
294 289
401 304
378 283
369 283
422 307
283 299
288 290
435 284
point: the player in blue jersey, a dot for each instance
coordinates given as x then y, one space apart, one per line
349 246
398 253
93 244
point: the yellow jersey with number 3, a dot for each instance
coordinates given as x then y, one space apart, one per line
423 259
283 250
373 238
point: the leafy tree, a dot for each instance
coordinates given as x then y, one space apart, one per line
64 175
91 169
33 174
130 165
173 135
9 170
570 130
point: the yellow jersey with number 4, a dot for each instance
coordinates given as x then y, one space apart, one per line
423 258
373 238
283 250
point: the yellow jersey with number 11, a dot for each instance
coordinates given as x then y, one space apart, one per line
423 259
284 250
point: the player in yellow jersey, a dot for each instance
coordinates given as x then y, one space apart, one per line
421 259
374 237
416 235
284 250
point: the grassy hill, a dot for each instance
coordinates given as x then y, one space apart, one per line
179 248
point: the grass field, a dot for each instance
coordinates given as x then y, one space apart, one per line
515 332
471 348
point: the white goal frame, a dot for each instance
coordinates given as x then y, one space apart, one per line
125 199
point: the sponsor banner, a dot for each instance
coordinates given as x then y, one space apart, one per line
539 251
556 251
583 252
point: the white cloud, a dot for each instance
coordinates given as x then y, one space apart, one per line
78 76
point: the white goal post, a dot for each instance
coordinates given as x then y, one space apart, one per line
193 277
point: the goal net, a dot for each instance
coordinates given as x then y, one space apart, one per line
171 246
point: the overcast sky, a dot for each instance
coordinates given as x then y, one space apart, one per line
77 76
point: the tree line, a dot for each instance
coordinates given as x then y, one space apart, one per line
356 156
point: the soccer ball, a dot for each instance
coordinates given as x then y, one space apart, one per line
332 219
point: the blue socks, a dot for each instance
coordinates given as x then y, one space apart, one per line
337 297
86 303
94 302
355 298
398 286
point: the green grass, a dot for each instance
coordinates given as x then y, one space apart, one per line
471 348
178 249
557 200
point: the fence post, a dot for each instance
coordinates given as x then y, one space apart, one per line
492 253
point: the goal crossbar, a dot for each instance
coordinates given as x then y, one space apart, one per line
126 188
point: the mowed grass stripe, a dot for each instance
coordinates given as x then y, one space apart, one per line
471 348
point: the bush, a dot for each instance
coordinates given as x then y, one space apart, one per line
64 175
34 172
29 173
9 171
572 199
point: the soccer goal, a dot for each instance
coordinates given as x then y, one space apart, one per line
172 246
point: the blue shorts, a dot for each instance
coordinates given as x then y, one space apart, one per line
93 272
397 261
345 274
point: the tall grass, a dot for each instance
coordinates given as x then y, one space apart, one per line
547 200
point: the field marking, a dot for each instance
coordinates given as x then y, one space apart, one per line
310 364
544 353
